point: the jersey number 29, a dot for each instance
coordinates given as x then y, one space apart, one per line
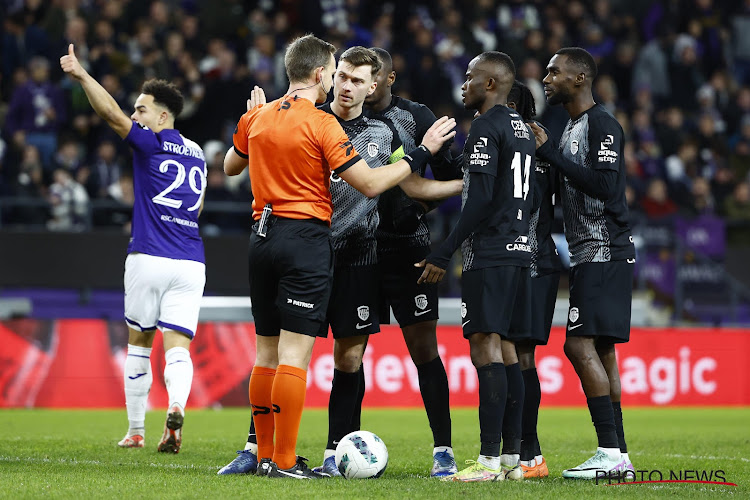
520 178
162 199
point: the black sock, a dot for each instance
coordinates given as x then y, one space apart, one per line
513 410
532 397
603 417
493 391
341 404
357 415
617 408
433 384
251 433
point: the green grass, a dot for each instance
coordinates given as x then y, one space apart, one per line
73 454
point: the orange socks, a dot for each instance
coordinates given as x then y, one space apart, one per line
261 384
288 396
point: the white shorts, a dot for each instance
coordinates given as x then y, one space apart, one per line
163 292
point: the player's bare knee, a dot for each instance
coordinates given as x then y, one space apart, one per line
525 352
422 350
141 339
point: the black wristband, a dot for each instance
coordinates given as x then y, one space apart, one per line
418 158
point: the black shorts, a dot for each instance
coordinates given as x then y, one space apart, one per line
543 298
411 303
521 321
290 276
600 299
353 309
488 298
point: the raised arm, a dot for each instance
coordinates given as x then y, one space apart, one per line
372 182
103 103
422 189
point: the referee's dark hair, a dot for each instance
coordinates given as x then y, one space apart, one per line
305 54
522 97
582 59
165 94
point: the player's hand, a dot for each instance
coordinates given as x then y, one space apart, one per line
69 64
431 273
539 134
257 97
440 132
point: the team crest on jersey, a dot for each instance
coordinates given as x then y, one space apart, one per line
573 147
372 149
463 310
573 316
421 301
363 312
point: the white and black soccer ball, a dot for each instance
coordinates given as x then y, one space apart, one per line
361 455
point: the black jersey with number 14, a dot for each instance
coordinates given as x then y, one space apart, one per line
502 146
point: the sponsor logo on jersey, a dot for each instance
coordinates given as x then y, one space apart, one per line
521 244
605 154
363 312
479 157
372 149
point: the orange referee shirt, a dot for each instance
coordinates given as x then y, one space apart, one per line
292 147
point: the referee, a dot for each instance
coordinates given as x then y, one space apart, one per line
291 148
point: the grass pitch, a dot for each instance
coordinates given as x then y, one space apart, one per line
73 454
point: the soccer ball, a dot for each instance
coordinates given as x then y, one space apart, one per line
361 455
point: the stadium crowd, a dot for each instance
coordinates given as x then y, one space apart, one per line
676 74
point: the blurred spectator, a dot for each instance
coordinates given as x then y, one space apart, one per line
105 170
69 203
30 188
741 43
117 209
37 111
737 206
702 202
739 149
20 43
656 204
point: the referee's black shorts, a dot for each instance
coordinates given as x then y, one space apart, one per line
290 276
601 294
353 308
488 299
411 303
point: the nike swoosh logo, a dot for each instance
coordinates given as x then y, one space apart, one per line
359 327
137 376
335 443
419 313
574 327
631 261
464 323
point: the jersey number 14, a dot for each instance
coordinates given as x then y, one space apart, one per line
520 175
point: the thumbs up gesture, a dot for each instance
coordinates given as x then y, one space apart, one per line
69 64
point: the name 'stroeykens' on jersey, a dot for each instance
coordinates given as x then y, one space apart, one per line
183 149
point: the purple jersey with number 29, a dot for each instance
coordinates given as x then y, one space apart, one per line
169 180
